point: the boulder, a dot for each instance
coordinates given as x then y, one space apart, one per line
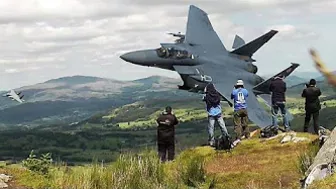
324 163
3 179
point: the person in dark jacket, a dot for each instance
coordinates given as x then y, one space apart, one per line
212 100
278 89
312 105
166 134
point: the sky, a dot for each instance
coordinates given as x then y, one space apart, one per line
47 39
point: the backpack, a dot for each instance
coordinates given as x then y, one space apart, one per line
268 131
223 143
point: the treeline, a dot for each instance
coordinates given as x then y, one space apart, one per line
88 143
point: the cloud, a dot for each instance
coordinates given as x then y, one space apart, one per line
18 70
288 31
87 37
35 60
41 10
11 70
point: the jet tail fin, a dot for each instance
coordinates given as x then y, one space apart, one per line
200 33
250 48
238 42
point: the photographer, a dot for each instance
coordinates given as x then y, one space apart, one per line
166 134
278 88
240 116
212 100
312 105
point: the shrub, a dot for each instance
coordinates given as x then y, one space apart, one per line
306 159
40 165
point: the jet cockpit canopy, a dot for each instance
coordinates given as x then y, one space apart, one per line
173 53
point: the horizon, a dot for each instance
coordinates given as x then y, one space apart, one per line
41 42
295 74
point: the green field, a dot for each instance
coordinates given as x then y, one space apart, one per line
131 127
255 163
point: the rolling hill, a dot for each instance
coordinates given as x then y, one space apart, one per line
73 99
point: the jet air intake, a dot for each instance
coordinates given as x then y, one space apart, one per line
252 68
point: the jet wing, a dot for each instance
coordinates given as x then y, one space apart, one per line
200 33
256 112
263 87
267 100
224 81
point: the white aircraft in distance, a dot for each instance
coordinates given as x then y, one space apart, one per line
14 96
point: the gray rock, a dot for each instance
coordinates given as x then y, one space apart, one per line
291 137
4 177
324 163
3 185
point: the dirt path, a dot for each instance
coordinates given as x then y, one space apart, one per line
12 185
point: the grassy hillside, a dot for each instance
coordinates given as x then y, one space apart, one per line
144 114
130 127
326 89
255 163
53 101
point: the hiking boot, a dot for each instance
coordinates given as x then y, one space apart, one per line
236 142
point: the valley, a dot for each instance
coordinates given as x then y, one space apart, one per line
107 119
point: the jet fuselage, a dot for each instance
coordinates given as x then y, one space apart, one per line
170 55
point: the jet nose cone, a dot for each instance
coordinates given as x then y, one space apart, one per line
136 57
125 56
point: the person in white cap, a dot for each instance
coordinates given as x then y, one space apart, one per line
240 117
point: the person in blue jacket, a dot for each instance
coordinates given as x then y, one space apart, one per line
212 99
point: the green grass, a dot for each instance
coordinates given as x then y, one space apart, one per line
255 163
327 183
134 171
183 114
144 114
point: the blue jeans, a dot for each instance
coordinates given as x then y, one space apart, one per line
275 109
211 127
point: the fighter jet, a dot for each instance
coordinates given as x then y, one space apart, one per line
202 58
14 96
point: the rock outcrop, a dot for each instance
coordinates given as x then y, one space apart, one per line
3 180
324 162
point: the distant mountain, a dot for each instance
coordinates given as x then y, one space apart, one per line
290 80
69 99
308 75
294 80
72 99
322 78
300 77
326 89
